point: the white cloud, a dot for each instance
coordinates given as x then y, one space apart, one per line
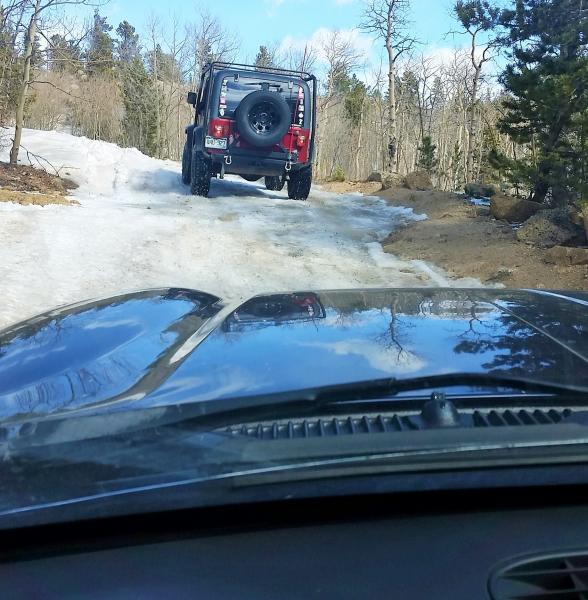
273 6
362 44
387 360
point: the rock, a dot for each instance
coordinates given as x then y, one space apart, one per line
562 255
391 180
513 210
550 228
480 190
374 176
482 211
576 217
418 180
500 275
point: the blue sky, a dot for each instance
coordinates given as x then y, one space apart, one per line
273 21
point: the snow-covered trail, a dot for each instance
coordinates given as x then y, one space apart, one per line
137 227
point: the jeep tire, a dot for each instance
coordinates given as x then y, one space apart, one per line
275 183
263 118
299 184
186 166
200 175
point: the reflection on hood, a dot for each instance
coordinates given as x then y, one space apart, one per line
391 361
171 346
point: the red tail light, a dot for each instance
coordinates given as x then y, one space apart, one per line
219 128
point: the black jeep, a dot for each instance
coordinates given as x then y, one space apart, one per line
253 122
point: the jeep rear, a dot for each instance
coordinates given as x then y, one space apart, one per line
255 123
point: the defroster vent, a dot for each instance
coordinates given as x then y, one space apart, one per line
390 422
542 577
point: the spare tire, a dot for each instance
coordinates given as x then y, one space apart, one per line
263 118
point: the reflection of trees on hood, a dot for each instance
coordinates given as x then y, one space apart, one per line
524 349
79 355
397 332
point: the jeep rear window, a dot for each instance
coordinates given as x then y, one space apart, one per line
233 91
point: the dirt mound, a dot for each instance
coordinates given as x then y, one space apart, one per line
22 178
550 228
459 240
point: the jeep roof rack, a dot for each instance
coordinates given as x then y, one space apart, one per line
215 65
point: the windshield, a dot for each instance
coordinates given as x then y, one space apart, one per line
266 241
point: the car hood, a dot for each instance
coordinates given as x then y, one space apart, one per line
170 346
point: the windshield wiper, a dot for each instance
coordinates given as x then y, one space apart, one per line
367 395
375 391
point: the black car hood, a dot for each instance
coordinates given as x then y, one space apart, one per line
170 346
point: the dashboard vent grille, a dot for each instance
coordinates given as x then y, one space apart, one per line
349 425
498 418
308 428
553 577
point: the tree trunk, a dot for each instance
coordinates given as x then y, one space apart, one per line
157 105
26 75
392 129
359 142
471 149
542 183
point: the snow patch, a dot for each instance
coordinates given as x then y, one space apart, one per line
137 227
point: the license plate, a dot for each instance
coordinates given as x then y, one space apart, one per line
219 143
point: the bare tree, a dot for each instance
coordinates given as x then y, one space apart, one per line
298 60
33 10
478 18
341 57
153 27
211 41
388 21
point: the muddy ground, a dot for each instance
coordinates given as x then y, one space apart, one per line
28 185
456 238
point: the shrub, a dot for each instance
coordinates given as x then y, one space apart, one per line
338 174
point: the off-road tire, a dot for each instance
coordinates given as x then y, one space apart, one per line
263 118
299 184
275 183
200 175
186 166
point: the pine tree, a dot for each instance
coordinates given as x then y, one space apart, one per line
427 160
127 45
138 91
547 82
355 100
63 55
264 59
167 67
139 97
100 55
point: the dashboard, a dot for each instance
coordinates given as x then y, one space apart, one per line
411 546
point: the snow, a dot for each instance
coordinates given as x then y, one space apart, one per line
479 201
137 227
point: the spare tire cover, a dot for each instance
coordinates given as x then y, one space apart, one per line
263 118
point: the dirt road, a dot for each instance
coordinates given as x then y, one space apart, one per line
137 227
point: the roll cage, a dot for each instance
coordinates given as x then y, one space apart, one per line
211 69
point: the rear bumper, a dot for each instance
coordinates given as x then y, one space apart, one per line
251 164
